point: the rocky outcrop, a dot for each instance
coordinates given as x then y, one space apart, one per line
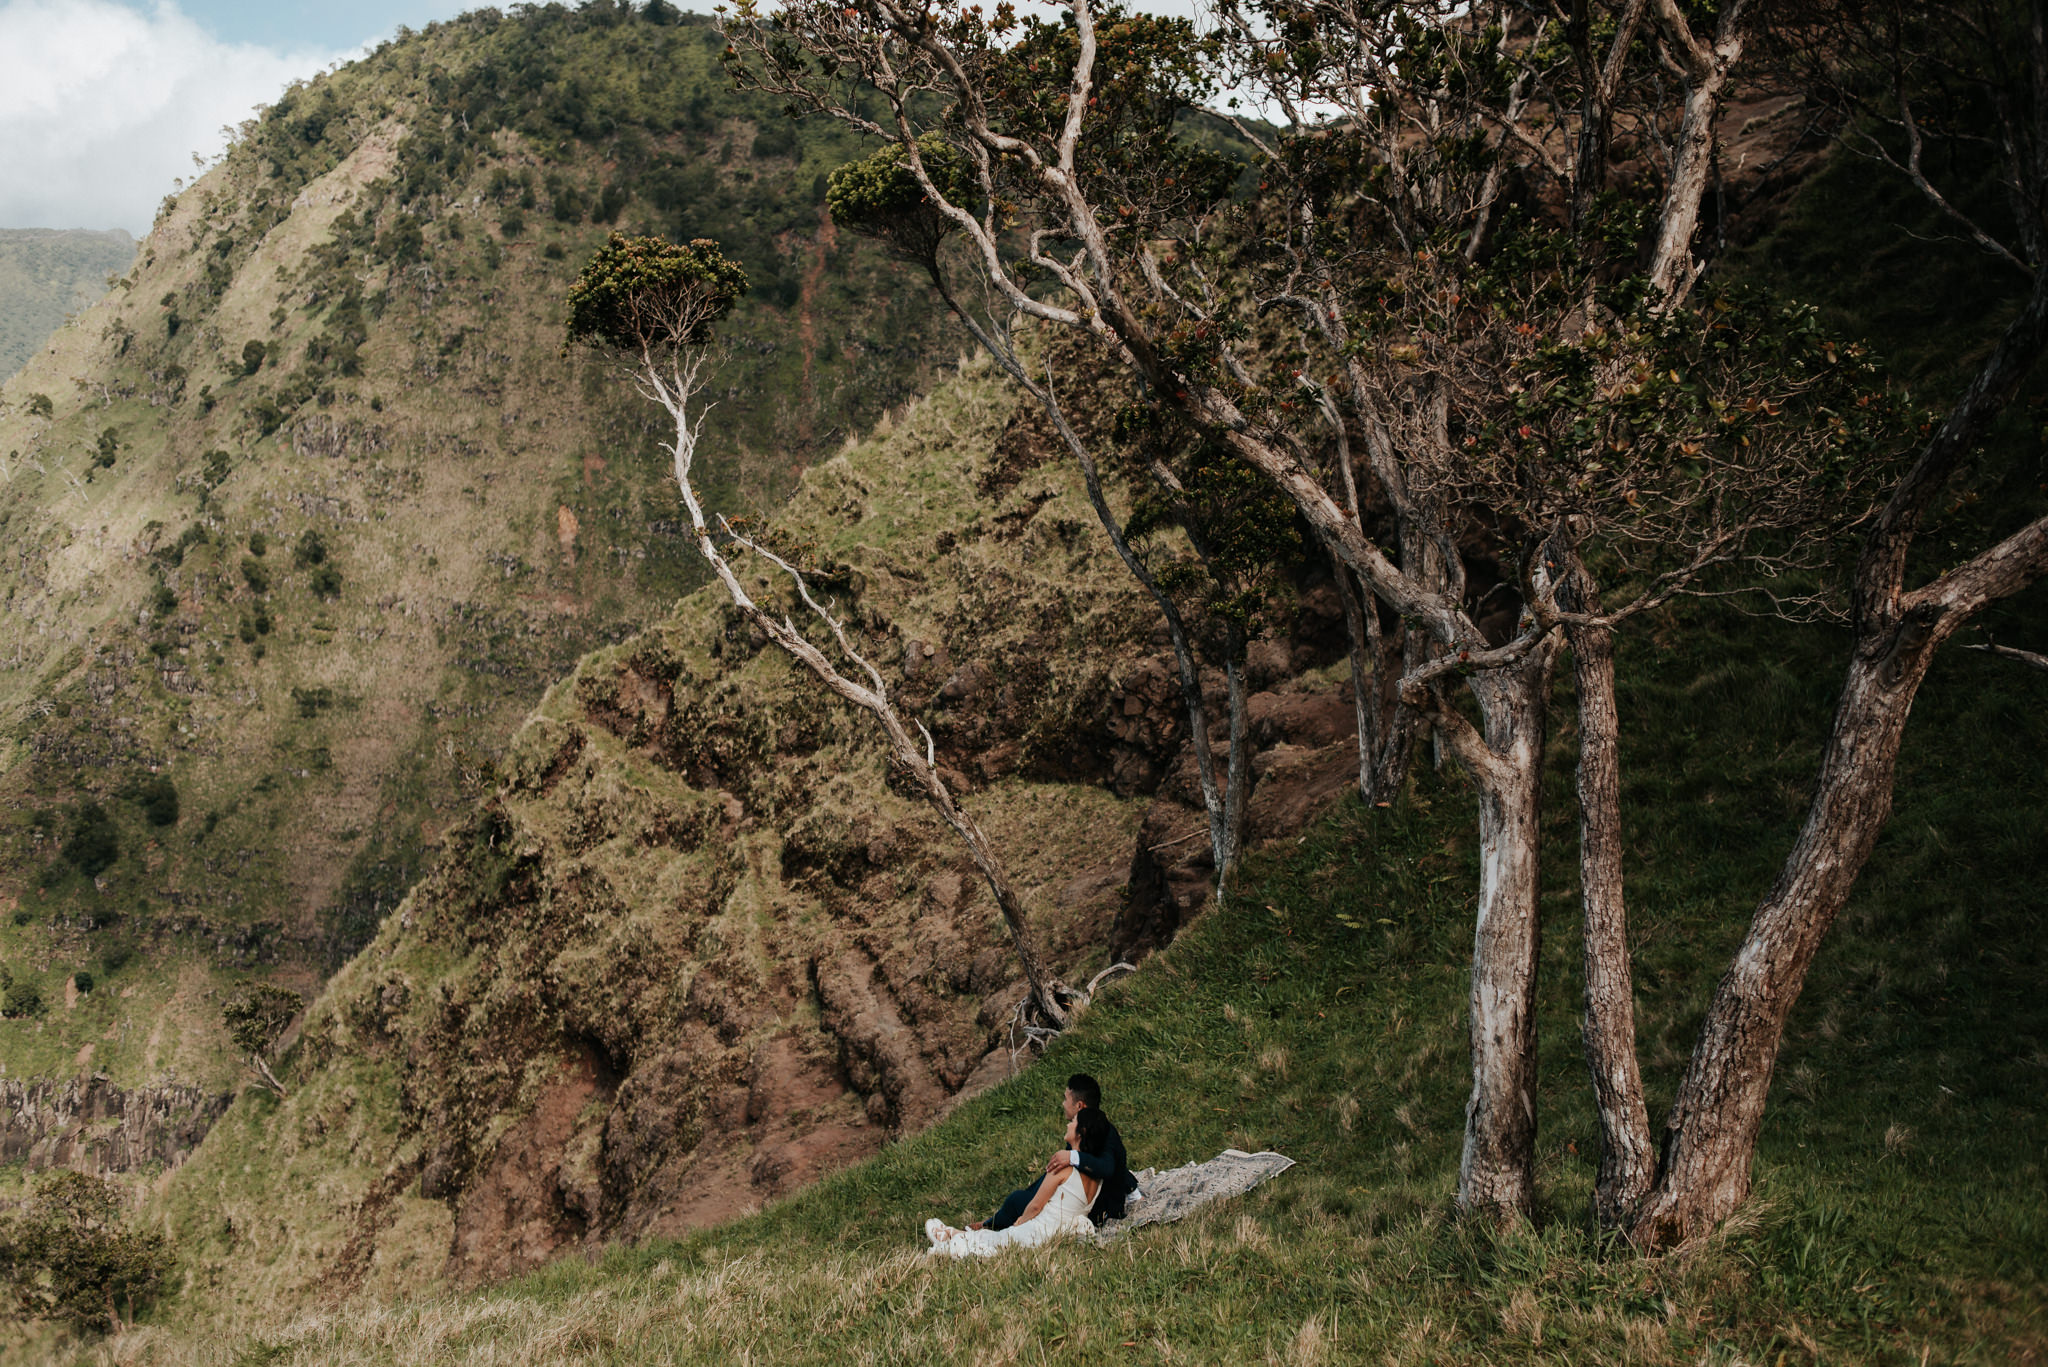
700 947
94 1126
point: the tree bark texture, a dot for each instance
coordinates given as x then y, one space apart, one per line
1496 1173
1628 1160
1710 1137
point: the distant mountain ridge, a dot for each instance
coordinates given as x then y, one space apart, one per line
48 274
300 520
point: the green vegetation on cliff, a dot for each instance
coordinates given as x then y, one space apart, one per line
302 519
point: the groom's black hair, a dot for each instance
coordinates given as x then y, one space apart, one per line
1087 1088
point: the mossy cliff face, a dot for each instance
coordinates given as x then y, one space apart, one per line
698 948
350 330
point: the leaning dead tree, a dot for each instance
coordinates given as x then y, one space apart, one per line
657 303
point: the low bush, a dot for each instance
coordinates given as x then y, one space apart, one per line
93 842
23 1000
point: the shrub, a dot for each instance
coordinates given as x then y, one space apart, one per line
513 223
93 843
313 701
105 449
82 980
325 582
39 406
776 139
163 602
253 354
311 550
258 543
158 798
70 1259
215 469
247 629
23 1001
255 574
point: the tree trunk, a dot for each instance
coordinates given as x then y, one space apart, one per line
1386 736
1707 66
1628 1162
1215 800
268 1077
673 393
1710 1137
1237 782
1496 1174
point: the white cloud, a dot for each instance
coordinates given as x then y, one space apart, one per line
102 107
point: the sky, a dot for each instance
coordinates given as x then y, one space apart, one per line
103 103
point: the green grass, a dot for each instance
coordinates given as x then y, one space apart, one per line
1900 1213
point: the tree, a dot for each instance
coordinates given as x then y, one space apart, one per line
658 303
66 1257
256 1019
1333 312
1907 81
93 843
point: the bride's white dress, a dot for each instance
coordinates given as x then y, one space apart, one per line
1065 1213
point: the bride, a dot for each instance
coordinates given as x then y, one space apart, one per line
1059 1207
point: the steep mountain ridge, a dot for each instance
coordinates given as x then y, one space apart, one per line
303 517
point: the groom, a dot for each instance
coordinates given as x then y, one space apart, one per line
1107 1163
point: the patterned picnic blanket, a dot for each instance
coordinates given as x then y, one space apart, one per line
1178 1192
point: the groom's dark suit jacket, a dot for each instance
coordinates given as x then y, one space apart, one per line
1109 1166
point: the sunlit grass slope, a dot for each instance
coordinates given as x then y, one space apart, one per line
1900 1212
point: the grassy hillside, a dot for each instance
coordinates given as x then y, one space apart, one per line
1900 1213
302 519
48 274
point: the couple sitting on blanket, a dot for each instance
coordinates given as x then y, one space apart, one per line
1085 1183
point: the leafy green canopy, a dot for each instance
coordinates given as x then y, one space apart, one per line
64 1255
880 197
642 294
256 1018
